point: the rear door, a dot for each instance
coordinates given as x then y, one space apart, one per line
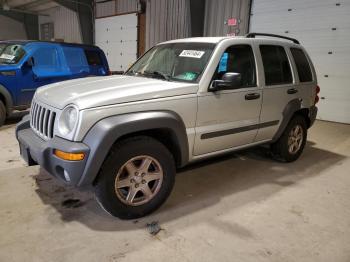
278 88
47 68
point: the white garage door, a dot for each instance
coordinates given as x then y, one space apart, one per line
323 27
117 37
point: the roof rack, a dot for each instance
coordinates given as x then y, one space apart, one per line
253 35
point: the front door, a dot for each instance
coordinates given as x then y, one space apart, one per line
230 118
46 68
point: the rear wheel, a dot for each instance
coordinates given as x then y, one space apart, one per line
2 113
136 178
291 144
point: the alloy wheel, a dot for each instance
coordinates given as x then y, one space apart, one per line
138 180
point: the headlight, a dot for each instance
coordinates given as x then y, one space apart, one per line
68 120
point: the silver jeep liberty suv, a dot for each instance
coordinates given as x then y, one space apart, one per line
183 101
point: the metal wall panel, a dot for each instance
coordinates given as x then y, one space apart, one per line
166 20
125 6
105 9
116 7
11 29
323 28
66 24
217 12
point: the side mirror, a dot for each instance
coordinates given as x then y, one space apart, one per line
229 81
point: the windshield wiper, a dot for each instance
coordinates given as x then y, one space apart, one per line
157 74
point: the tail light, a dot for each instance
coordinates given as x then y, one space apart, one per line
317 98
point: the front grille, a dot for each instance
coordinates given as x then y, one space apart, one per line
42 120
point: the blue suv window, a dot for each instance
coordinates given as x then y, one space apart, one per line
93 57
76 59
46 62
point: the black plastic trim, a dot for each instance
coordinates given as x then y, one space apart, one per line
238 130
106 132
293 106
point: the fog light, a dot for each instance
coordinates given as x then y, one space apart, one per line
69 156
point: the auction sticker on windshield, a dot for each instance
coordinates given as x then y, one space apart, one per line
192 53
7 57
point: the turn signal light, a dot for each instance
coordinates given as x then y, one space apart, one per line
69 156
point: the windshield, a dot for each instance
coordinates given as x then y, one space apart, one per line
11 53
174 62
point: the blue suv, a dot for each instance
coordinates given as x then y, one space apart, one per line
27 65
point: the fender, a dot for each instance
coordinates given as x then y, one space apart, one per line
104 133
293 106
8 98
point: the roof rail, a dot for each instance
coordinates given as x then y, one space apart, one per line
253 35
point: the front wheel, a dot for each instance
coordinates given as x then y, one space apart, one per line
136 178
290 145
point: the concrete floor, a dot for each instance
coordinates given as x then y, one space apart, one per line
242 207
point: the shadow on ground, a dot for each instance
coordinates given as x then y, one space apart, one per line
14 119
248 176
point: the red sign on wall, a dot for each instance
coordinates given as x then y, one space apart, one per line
232 22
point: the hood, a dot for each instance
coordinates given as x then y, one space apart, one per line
99 91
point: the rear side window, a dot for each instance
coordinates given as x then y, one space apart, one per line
93 57
303 66
276 65
74 56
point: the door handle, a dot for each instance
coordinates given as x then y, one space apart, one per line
252 96
292 91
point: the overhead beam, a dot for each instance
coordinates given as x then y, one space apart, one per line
29 21
29 6
84 9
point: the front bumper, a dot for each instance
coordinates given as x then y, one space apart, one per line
35 150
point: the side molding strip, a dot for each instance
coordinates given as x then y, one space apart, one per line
238 130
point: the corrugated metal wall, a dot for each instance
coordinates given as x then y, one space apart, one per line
125 6
66 24
116 7
217 12
105 9
166 20
170 19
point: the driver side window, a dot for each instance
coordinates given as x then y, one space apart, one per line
238 59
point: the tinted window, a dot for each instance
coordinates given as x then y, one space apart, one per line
93 57
46 62
238 59
276 65
303 66
76 60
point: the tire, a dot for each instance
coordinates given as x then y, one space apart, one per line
283 149
2 113
122 179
